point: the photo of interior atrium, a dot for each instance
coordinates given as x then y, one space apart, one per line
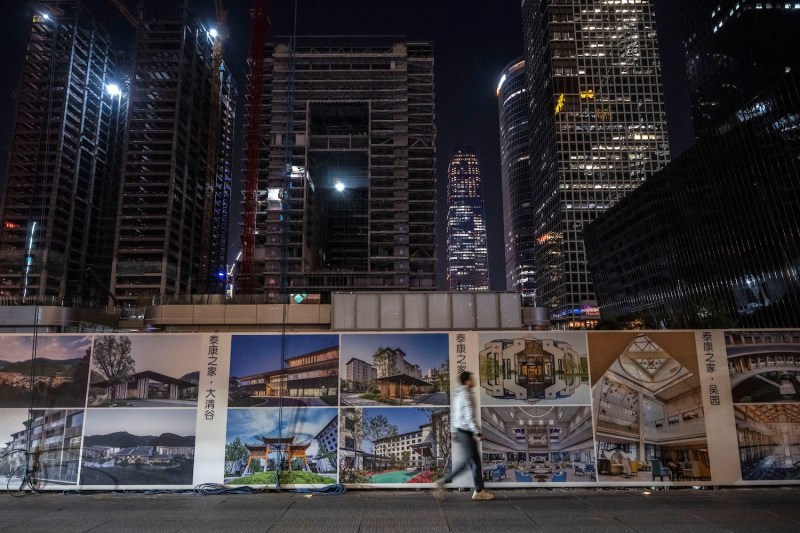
764 365
769 441
537 444
649 420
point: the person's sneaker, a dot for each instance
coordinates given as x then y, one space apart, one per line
483 495
438 491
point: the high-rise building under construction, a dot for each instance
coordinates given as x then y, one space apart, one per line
346 185
172 219
63 159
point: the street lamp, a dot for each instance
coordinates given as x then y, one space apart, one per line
339 186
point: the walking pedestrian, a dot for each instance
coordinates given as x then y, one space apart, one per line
467 435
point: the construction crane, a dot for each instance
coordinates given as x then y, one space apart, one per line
260 26
217 35
126 13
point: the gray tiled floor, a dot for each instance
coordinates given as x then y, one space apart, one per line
739 510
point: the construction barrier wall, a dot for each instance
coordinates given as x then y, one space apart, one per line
371 409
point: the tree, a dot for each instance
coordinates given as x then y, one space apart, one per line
236 452
378 427
112 358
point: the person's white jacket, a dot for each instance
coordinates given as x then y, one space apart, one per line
462 411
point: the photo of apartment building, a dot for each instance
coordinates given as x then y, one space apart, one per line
390 445
395 369
534 369
53 439
300 370
769 441
764 365
648 410
537 444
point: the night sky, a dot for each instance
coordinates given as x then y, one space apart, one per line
473 41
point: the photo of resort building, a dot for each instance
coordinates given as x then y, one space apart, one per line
296 370
55 375
648 411
130 447
395 369
53 439
145 371
534 369
769 441
537 444
764 365
299 441
391 445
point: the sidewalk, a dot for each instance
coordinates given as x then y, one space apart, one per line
740 510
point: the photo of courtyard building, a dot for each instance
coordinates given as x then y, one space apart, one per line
534 369
288 370
300 442
145 371
537 444
648 409
393 445
130 447
53 438
55 374
395 369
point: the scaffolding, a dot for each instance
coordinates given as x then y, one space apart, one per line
166 183
64 159
356 194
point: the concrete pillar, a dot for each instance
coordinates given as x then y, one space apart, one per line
173 392
640 408
142 386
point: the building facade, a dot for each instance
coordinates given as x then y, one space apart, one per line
347 191
517 181
177 165
360 371
597 131
392 361
467 253
53 437
312 374
715 235
64 159
726 70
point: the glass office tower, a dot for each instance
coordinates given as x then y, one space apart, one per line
597 131
512 103
467 255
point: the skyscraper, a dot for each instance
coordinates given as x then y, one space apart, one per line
467 254
63 156
734 50
176 160
346 197
517 182
597 126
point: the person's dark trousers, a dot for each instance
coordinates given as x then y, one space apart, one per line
473 459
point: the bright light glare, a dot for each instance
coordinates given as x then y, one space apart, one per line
339 186
113 89
45 16
213 33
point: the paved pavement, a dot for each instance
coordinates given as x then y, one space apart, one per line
731 510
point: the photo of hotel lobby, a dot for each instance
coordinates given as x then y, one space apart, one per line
537 444
649 420
769 441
